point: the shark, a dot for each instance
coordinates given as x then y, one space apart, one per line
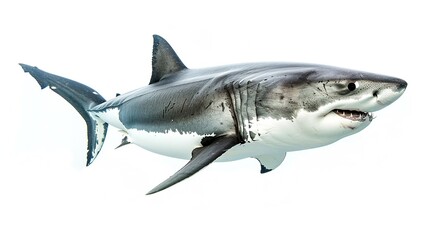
226 113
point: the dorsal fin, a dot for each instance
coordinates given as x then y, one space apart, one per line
164 59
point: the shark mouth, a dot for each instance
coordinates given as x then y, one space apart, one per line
353 115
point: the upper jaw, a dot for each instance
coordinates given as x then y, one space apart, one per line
353 115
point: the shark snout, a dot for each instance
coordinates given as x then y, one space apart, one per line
397 86
401 85
389 92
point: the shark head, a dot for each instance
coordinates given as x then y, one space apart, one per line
312 106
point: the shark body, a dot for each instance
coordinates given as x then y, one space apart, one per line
257 110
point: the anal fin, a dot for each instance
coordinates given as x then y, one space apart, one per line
124 142
201 157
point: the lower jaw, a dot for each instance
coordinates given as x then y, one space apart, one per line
355 125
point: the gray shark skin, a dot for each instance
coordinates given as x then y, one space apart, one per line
256 110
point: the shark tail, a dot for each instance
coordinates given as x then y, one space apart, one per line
82 98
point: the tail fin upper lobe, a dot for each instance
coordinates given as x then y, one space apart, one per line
82 98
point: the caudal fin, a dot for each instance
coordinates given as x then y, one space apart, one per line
82 98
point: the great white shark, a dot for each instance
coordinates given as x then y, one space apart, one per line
256 110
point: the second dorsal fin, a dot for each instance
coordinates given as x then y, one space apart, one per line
164 60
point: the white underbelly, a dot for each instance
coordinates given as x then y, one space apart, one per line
181 145
171 143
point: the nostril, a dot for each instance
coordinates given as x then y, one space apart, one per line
375 93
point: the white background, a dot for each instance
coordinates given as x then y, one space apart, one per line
373 185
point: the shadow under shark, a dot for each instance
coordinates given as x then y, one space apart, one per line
257 110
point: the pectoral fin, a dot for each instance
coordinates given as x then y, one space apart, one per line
201 157
270 162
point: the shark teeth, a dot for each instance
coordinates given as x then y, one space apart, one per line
353 115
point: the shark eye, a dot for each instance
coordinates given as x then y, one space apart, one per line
352 86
